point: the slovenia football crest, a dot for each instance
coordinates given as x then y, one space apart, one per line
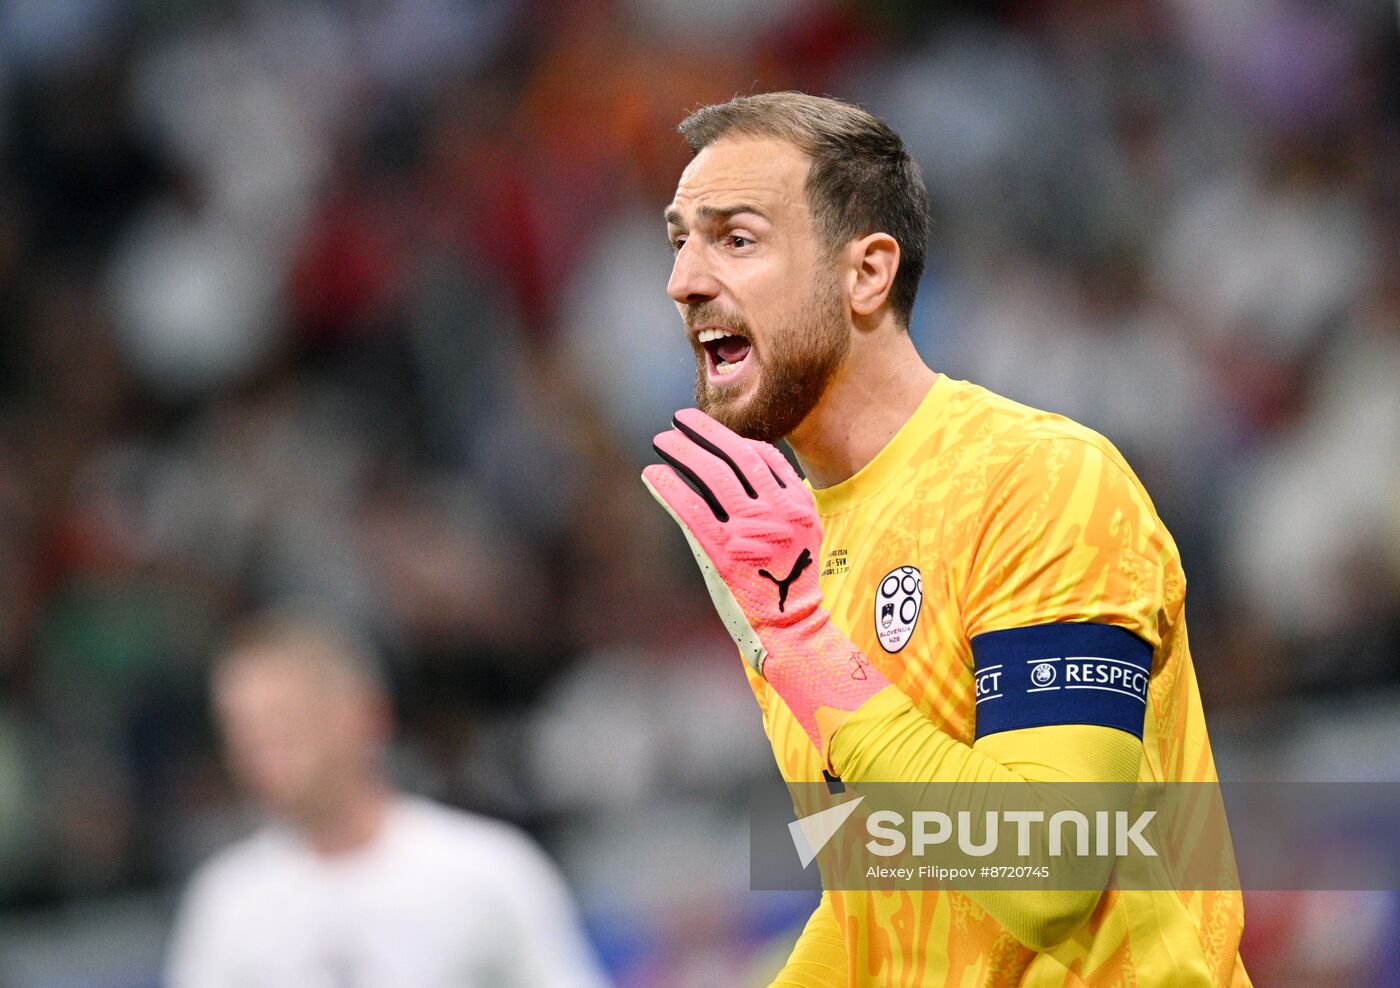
898 600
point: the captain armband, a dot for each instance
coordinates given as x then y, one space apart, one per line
1061 674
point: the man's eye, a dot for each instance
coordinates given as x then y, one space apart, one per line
736 240
676 244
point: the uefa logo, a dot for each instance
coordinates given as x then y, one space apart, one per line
1043 674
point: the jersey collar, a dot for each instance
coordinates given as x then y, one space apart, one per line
892 460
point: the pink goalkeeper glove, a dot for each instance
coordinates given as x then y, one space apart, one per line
753 527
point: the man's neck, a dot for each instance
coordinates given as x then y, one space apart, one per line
355 820
876 391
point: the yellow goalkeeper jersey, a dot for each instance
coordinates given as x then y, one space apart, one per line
981 515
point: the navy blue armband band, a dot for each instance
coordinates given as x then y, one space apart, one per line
1061 674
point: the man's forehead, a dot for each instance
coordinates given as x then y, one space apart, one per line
281 669
766 173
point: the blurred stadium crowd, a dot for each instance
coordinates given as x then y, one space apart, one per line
363 303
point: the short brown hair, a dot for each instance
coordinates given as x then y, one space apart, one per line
331 650
861 180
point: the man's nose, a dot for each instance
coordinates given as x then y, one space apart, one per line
691 281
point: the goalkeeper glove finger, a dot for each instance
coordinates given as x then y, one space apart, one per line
753 527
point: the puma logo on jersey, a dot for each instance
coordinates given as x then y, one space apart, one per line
803 561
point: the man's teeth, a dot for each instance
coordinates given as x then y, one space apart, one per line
715 335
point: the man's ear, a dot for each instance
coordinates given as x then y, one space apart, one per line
874 259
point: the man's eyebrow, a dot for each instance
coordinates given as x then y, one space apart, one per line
713 214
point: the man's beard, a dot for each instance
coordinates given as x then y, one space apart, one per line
797 362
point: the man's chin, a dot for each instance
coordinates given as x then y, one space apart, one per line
744 416
730 408
765 407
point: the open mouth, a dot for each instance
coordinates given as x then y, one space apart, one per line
727 350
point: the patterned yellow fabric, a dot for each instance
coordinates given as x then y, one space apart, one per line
1012 517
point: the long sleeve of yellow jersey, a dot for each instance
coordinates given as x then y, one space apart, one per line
889 740
1068 539
818 960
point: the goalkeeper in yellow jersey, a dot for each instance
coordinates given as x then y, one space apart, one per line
895 609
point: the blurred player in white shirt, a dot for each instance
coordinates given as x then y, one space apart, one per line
352 884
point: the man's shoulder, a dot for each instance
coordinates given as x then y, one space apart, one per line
236 868
428 816
1008 423
995 431
469 839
